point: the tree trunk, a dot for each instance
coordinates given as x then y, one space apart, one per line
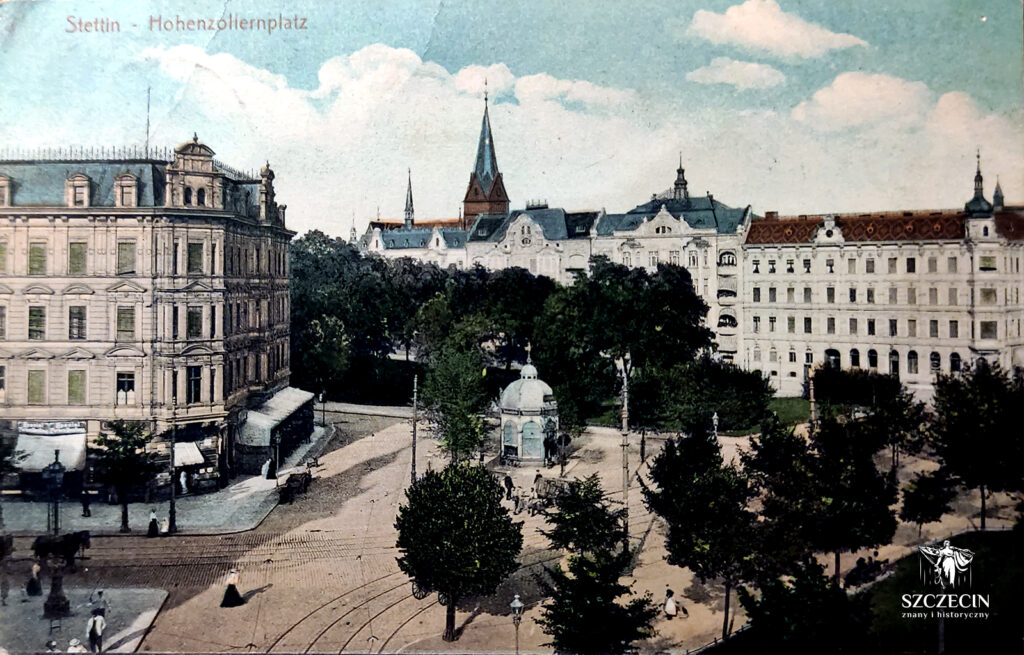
835 579
725 619
982 488
449 622
123 493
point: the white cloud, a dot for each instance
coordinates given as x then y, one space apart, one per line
858 99
471 79
762 25
741 74
541 87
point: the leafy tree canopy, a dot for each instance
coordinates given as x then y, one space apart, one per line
583 520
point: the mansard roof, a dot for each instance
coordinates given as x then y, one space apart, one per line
556 224
402 238
41 183
699 212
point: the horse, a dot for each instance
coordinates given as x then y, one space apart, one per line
65 545
6 546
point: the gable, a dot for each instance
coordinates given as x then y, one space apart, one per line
197 287
36 353
78 353
78 289
124 351
38 289
125 286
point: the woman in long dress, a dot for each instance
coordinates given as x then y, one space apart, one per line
154 525
231 596
33 587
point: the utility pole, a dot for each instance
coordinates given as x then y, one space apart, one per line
415 417
625 448
172 519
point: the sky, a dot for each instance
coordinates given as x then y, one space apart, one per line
785 105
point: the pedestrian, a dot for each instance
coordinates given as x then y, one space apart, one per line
5 586
165 527
86 511
670 604
231 596
51 647
33 587
94 628
75 646
154 525
509 487
99 603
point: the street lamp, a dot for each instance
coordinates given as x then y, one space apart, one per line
172 514
714 421
53 475
517 617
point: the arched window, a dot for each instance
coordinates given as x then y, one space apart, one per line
726 320
894 363
872 358
626 259
832 359
936 361
912 362
854 358
201 197
188 195
508 440
954 363
533 441
726 258
984 231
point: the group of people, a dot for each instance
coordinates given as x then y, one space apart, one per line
94 628
865 570
158 528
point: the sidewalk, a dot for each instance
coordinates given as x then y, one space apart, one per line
239 506
394 411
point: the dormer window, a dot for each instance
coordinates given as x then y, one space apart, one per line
77 190
126 190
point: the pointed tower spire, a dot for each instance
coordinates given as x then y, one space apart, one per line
978 186
679 190
486 192
978 206
997 196
410 214
352 229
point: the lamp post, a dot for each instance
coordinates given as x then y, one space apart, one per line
714 421
53 475
517 617
415 419
323 408
172 515
56 604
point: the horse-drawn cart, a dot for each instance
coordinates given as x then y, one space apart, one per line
544 493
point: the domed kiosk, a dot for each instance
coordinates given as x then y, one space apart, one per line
529 415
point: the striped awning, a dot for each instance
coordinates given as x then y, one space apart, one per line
187 454
34 452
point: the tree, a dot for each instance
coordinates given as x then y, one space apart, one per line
455 395
805 614
582 520
584 615
514 299
704 502
926 498
455 537
327 352
975 429
123 461
708 385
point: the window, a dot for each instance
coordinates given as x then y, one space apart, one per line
673 257
987 263
125 323
911 296
933 264
37 259
851 266
791 324
174 322
654 260
892 327
933 296
213 259
954 330
872 359
911 266
194 323
894 363
76 258
125 389
912 362
911 328
951 265
830 325
771 265
757 324
871 296
935 361
933 329
771 323
3 322
79 195
771 294
757 354
789 265
37 387
773 355
36 323
871 327
757 294
807 325
201 197
188 196
808 357
954 363
791 295
3 383
213 321
726 259
989 330
757 265
952 296
869 266
195 258
76 387
3 256
792 356
831 265
892 265
174 259
853 294
830 294
807 266
853 326
76 323
174 387
193 384
125 257
855 358
988 296
893 296
807 294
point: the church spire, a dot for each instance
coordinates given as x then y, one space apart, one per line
410 214
978 183
486 168
978 206
486 191
997 196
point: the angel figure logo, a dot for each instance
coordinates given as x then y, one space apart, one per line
946 565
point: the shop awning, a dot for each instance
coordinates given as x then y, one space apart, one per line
187 454
260 422
37 451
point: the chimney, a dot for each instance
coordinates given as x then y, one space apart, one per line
771 214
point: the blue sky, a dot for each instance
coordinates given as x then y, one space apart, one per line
793 106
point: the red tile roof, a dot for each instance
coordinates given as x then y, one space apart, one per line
1010 225
883 226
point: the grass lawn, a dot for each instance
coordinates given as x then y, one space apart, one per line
791 410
